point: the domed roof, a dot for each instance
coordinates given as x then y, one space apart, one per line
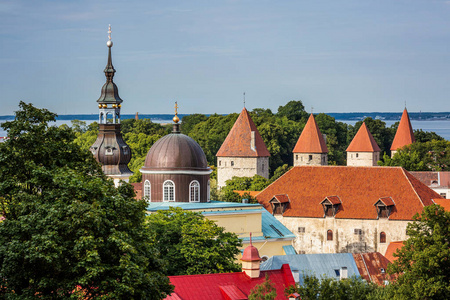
176 151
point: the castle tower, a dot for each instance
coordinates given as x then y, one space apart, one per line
243 153
110 149
404 135
363 150
311 148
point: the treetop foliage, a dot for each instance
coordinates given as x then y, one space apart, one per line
68 232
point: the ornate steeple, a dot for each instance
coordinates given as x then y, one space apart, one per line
176 119
110 149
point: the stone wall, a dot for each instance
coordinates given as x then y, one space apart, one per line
349 235
227 167
310 159
363 159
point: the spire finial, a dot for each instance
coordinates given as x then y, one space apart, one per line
250 239
405 104
312 109
244 99
176 119
109 43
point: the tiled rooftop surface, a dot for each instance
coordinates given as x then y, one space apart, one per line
363 141
311 139
404 135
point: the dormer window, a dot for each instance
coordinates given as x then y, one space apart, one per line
384 207
331 205
279 204
109 151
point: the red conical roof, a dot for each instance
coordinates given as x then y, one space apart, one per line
238 142
311 139
405 134
363 141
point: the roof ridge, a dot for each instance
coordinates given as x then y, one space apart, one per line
409 181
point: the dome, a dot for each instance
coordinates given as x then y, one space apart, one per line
251 253
176 151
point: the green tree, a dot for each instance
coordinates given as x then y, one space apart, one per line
68 232
426 136
423 262
255 183
336 138
193 244
188 122
264 291
293 110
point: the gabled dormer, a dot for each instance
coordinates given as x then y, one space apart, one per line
384 207
331 206
279 204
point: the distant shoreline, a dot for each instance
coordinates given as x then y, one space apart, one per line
384 116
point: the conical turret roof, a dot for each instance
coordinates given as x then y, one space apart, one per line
405 134
239 141
311 140
363 141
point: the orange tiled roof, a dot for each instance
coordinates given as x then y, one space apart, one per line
373 267
238 141
363 141
405 134
251 193
445 203
332 199
282 198
391 249
387 201
358 189
311 140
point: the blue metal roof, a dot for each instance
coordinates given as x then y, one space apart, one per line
289 250
314 264
154 206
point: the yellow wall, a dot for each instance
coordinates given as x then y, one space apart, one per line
241 224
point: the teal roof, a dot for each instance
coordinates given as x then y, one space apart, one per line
154 206
325 264
289 250
271 227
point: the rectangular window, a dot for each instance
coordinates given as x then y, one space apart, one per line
232 163
358 231
443 195
301 230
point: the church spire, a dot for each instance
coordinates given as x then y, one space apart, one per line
109 69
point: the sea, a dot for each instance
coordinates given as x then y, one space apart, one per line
439 126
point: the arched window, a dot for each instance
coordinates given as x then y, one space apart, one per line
329 235
169 191
382 237
194 191
147 190
209 191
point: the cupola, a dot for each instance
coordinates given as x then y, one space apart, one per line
251 261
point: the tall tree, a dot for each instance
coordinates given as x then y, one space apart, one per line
293 110
193 244
423 262
68 232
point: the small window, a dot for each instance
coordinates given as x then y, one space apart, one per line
382 237
147 190
232 163
264 258
301 252
220 162
358 231
194 191
263 167
337 272
356 155
301 230
383 271
296 157
169 191
310 157
329 235
444 195
109 151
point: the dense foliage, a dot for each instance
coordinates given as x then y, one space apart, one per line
264 291
68 232
424 261
193 244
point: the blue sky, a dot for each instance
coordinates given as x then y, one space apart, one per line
335 56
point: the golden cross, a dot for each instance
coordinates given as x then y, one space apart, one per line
176 108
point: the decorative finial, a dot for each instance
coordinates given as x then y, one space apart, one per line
109 43
312 109
244 99
176 119
250 239
405 104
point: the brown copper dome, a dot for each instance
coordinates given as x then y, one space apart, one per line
176 151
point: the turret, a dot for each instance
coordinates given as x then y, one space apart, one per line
363 149
404 135
311 148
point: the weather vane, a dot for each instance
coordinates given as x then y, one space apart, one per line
244 99
109 32
312 109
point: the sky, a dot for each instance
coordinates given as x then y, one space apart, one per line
334 56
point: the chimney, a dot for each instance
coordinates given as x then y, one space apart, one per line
252 141
251 260
294 296
343 273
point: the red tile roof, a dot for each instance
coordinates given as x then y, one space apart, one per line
405 134
387 201
373 267
228 285
391 249
434 179
238 141
311 140
282 198
445 203
332 199
358 188
363 141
